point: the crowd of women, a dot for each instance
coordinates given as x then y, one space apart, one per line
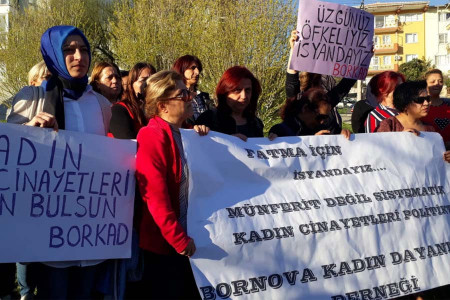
151 107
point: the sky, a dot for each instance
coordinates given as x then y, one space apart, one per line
358 2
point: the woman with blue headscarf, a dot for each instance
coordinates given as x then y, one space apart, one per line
69 103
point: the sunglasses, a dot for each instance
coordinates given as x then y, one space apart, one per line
421 100
185 96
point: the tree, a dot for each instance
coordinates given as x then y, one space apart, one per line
415 69
221 33
19 49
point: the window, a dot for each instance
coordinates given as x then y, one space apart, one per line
410 57
386 60
411 18
374 63
375 60
411 38
442 60
444 17
386 39
443 38
376 39
385 21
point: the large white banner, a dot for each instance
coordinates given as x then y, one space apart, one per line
65 195
318 217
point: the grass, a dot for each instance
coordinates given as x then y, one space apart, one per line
347 126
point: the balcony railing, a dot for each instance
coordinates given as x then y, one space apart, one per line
381 67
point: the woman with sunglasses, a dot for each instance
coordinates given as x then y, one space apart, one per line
412 101
237 94
162 176
305 116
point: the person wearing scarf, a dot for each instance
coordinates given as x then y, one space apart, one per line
69 103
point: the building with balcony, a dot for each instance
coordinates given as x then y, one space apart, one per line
399 34
437 37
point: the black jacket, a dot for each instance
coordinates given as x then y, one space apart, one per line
226 124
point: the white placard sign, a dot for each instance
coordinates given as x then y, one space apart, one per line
64 196
318 217
333 39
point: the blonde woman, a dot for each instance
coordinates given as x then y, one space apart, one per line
162 177
38 74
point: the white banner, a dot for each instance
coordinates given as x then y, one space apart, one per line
318 217
65 195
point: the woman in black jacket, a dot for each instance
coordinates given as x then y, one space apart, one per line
237 94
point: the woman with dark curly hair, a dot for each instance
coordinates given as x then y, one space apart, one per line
412 101
305 116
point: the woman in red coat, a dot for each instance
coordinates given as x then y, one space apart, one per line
162 176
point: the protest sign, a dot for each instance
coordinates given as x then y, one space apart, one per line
318 217
333 40
64 196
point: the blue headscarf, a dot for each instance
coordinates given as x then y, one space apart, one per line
52 42
61 84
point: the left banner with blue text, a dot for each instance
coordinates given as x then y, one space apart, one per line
64 195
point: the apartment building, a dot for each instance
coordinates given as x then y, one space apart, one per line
399 34
437 36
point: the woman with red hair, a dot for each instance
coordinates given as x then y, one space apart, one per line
383 89
237 94
190 68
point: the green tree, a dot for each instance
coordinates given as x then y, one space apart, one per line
19 48
221 33
415 69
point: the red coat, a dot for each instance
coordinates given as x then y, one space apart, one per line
158 174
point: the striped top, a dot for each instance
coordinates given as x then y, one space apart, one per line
377 115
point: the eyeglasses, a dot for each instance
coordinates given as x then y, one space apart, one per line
185 96
421 100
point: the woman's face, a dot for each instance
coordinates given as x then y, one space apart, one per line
239 98
192 74
419 110
435 83
110 83
76 56
178 106
143 76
